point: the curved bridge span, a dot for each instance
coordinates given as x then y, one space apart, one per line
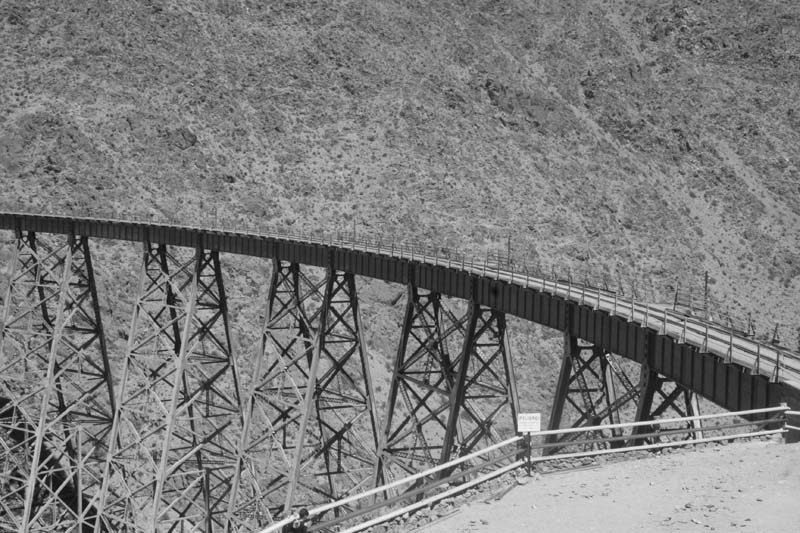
181 433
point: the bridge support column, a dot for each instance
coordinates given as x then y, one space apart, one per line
419 394
485 388
56 393
276 397
172 459
593 388
338 454
661 395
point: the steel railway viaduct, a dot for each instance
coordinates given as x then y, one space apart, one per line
181 434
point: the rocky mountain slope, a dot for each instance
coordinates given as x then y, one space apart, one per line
638 141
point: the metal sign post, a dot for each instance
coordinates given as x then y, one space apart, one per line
528 423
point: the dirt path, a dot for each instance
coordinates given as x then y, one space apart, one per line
752 486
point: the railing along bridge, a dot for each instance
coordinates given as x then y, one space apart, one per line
180 433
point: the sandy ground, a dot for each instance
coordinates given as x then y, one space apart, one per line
750 486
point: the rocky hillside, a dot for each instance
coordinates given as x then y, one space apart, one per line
630 140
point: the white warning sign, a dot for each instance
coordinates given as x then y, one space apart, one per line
529 422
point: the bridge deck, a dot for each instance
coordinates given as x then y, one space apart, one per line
720 363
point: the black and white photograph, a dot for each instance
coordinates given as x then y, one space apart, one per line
399 266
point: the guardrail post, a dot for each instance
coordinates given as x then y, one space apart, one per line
791 426
569 283
729 356
775 335
677 288
633 307
683 332
758 359
528 454
598 299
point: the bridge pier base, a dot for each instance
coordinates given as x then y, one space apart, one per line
593 389
661 395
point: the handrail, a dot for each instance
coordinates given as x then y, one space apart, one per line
383 488
540 444
417 476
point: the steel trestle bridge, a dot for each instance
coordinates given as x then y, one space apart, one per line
185 435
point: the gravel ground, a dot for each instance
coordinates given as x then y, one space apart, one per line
746 486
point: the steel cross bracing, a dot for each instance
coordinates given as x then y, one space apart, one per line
276 397
484 389
172 460
338 420
419 393
661 395
597 390
56 393
593 387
